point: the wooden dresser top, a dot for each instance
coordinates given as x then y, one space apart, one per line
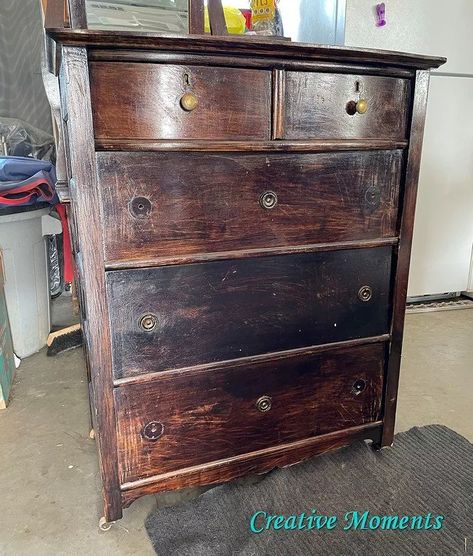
241 46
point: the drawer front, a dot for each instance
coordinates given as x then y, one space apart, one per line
179 316
199 417
145 101
172 204
322 106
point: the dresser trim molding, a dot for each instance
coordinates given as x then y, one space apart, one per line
260 461
403 251
251 360
248 253
84 192
234 45
319 146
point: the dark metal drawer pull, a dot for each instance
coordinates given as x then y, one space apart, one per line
365 293
263 404
268 200
148 322
153 431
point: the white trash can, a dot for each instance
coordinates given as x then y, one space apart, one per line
26 278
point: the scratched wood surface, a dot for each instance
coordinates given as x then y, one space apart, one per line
233 103
157 204
206 416
228 309
316 106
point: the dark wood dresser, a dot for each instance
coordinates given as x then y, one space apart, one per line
242 216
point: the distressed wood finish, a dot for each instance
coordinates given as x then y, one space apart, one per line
198 296
260 461
316 106
87 229
164 204
404 253
233 103
275 303
210 415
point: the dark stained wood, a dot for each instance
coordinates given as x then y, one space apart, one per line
172 57
245 253
274 358
237 45
249 146
217 22
77 14
275 303
233 103
75 99
207 416
185 212
241 302
316 106
196 17
279 81
54 15
404 253
258 462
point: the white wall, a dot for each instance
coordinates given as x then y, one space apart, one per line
437 27
443 232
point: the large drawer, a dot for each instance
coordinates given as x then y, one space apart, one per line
147 102
173 204
197 417
324 106
179 316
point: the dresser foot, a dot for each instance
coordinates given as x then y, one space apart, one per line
105 525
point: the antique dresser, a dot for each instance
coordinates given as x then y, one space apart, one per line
242 214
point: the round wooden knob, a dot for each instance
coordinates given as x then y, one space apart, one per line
361 106
189 102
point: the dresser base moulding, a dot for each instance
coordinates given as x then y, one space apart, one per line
259 462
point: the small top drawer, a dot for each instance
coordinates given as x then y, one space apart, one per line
156 102
336 106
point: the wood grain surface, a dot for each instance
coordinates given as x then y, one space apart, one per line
222 310
207 416
205 203
233 103
316 106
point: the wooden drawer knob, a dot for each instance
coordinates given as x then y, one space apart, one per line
189 102
361 106
153 431
263 404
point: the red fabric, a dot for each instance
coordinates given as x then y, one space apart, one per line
38 187
66 245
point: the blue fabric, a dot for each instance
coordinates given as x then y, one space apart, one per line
18 172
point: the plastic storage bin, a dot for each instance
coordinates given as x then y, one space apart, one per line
26 278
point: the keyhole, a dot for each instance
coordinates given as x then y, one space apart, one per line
187 80
357 86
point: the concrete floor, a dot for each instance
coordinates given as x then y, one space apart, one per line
50 488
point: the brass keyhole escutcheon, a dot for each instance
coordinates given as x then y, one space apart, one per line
359 386
140 207
153 431
148 322
189 102
365 293
263 404
268 200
